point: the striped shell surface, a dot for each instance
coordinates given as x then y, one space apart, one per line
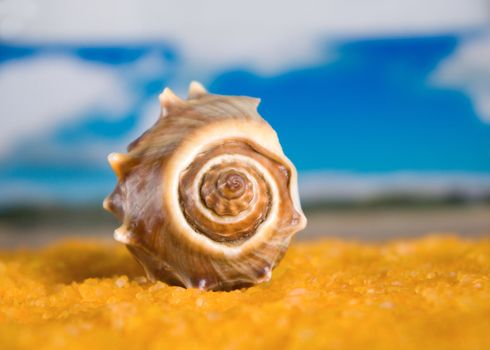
206 196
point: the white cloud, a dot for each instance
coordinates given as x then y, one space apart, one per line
41 93
268 35
469 69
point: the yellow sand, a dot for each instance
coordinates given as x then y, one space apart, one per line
432 293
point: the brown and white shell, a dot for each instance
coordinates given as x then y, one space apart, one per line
206 196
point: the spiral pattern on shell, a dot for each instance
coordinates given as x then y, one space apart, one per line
206 196
224 193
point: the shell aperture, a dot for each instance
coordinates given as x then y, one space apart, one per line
206 196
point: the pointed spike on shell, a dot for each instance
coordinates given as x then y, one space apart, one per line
117 160
121 234
255 101
168 99
267 275
106 204
196 90
202 284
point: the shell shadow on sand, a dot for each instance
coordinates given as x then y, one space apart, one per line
75 261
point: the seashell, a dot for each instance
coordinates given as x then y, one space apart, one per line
206 196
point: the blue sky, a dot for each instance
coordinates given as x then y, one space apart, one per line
372 109
378 105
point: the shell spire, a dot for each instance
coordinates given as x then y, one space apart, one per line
206 196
